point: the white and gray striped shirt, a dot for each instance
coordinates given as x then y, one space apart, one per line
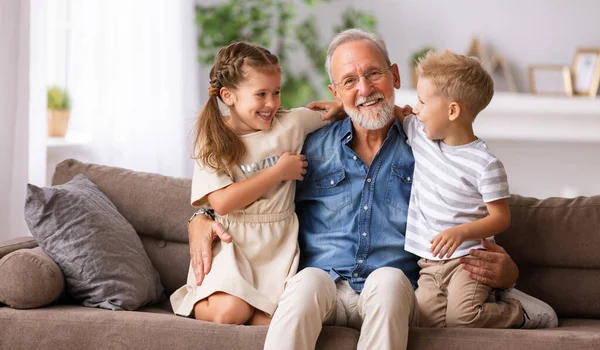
451 186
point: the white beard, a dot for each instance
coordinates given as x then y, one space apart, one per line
374 119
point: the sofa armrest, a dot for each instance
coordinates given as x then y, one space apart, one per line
11 245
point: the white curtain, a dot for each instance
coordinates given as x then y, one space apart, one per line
132 77
14 115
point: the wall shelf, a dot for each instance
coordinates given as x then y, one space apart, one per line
72 139
526 117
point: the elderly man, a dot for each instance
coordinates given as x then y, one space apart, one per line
352 208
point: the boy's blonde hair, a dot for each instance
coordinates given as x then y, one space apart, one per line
458 78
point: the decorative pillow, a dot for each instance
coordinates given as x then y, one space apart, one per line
99 252
29 278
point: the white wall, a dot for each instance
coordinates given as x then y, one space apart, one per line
14 114
526 32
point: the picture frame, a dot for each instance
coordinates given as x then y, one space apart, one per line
550 80
586 72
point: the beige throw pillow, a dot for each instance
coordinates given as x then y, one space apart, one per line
29 278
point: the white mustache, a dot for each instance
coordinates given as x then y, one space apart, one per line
373 97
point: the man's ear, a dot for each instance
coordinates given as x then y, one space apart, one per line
396 76
335 94
453 111
227 96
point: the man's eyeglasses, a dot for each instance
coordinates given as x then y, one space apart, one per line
372 75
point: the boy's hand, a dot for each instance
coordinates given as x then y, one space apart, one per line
291 166
403 112
332 109
446 242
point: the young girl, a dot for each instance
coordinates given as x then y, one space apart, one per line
246 166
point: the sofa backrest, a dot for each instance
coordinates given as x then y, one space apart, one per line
556 244
157 206
555 241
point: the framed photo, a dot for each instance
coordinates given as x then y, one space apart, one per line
550 80
586 72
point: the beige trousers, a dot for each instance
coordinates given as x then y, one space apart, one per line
382 312
448 297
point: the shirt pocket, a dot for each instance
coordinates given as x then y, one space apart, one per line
333 189
398 189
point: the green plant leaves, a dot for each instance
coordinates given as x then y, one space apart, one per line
273 24
58 98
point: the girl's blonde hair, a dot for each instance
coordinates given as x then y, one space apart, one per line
458 78
215 144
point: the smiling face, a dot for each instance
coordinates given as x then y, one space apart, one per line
432 110
369 98
255 101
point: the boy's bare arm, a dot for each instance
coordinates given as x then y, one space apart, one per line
498 220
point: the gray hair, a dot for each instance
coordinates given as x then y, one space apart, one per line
350 35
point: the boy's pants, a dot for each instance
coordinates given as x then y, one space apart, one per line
448 297
382 312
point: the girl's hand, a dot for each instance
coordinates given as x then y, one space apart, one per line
446 242
291 166
332 109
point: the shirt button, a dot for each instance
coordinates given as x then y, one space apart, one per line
408 178
354 157
366 207
355 274
331 182
360 261
364 234
369 180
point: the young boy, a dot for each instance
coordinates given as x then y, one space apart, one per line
459 196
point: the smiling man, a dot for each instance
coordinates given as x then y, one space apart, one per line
352 209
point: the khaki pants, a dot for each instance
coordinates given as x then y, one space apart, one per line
448 297
382 312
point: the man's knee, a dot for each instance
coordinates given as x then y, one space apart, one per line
309 281
389 280
389 290
309 290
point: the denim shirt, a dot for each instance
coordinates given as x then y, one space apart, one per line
353 217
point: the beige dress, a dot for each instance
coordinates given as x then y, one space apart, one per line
264 251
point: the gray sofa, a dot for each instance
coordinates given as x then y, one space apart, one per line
555 242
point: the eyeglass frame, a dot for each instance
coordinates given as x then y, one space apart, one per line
357 76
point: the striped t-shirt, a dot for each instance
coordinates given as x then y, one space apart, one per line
451 186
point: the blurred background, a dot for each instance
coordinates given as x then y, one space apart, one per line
121 82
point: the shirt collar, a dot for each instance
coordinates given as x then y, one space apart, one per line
346 130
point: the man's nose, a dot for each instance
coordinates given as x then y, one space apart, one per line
365 87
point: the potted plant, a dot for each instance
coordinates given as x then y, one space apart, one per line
415 62
59 105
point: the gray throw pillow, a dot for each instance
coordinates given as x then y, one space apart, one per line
103 260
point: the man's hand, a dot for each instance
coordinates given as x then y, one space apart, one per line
201 233
332 109
493 266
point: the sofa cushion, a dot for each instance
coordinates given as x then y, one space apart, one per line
75 327
155 327
555 242
99 252
30 279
